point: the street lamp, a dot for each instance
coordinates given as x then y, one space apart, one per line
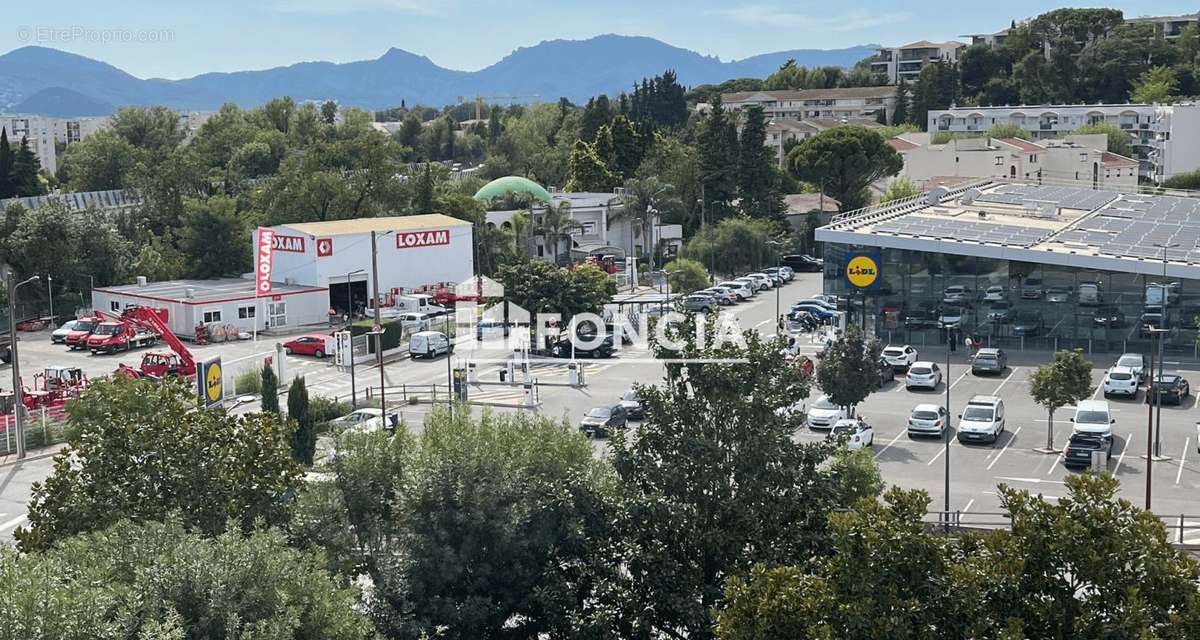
633 222
378 328
1163 287
945 429
18 400
778 318
349 318
1151 457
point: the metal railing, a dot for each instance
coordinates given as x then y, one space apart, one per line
1178 526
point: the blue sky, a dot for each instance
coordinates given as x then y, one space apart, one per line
163 38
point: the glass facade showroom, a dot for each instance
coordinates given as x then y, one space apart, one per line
1016 305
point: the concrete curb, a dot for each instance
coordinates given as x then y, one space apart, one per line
40 454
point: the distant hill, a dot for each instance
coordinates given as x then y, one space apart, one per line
44 80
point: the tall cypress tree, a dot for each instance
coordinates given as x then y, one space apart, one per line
718 162
900 114
23 180
6 166
304 435
756 181
270 391
451 127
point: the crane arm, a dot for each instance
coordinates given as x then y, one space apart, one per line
146 318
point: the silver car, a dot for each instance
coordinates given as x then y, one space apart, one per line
698 302
722 294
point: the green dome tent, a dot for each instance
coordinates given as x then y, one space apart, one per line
512 184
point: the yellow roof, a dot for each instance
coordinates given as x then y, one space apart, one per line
367 225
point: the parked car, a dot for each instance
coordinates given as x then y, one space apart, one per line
365 419
778 272
1058 295
764 279
901 357
999 312
995 293
887 372
1080 447
429 344
1107 316
804 262
699 303
1094 417
836 301
755 284
956 293
1136 362
77 338
928 420
950 316
59 335
1090 294
1027 322
981 420
720 294
920 319
633 404
314 344
823 413
741 289
856 431
1169 388
1032 288
817 301
602 420
923 374
989 360
821 313
1120 381
586 346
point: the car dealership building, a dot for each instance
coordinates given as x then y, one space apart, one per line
1023 266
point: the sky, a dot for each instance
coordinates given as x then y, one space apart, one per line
168 39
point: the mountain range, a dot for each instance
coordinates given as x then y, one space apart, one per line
52 82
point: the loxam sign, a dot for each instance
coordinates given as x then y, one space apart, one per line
294 244
415 239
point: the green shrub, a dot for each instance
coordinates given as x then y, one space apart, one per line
324 409
392 333
248 382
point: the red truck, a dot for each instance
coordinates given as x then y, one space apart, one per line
111 336
77 337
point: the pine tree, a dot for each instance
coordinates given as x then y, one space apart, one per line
604 147
304 435
270 391
900 114
588 172
24 180
6 166
451 128
627 148
596 114
718 161
756 181
423 189
494 126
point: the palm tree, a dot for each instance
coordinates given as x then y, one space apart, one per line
557 223
645 197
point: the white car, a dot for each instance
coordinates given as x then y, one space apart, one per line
723 295
995 293
755 284
955 292
59 335
901 357
981 420
928 420
366 419
765 279
741 289
1094 417
1136 362
1120 381
926 375
823 414
858 434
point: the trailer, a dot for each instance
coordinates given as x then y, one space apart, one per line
117 334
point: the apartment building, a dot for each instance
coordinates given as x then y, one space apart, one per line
1077 160
907 61
806 104
1166 138
40 133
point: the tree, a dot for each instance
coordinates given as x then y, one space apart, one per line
1158 85
154 129
540 287
733 245
844 161
23 179
627 148
596 114
1057 384
304 434
270 390
556 224
7 188
686 275
99 162
714 482
587 170
900 115
423 190
1189 181
847 373
898 189
936 88
757 187
648 199
1007 130
143 451
1118 139
213 239
160 580
718 162
329 111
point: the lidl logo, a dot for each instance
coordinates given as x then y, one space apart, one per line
211 382
862 270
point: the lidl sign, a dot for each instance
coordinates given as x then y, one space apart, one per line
862 270
210 383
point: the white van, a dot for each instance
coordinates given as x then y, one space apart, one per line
982 420
429 344
1154 294
1094 417
1089 294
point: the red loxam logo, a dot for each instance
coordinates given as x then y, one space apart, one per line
414 239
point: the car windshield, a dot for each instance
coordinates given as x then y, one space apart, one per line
1120 375
85 325
844 429
107 330
978 413
600 412
69 325
824 403
1130 361
631 396
924 415
1056 291
1084 441
920 371
1091 417
1165 381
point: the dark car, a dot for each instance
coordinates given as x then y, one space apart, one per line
989 361
921 319
586 346
887 372
1170 389
600 421
1079 449
1108 316
1027 322
803 262
1000 312
633 404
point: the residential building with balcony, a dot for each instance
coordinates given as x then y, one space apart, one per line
1169 27
907 61
783 133
1166 138
808 104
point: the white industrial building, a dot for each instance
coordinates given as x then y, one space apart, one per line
224 302
1166 138
413 252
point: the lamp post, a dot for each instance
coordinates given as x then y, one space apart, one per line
778 318
350 325
378 328
1163 287
50 292
18 400
946 431
633 222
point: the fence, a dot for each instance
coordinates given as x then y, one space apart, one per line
42 428
1178 526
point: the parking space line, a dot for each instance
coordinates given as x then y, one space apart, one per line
941 450
1057 461
968 507
1183 458
1121 458
12 523
1005 381
1004 448
888 445
955 383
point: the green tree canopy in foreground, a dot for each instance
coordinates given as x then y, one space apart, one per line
159 581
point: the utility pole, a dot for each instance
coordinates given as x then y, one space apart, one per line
1150 421
945 429
378 328
18 399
